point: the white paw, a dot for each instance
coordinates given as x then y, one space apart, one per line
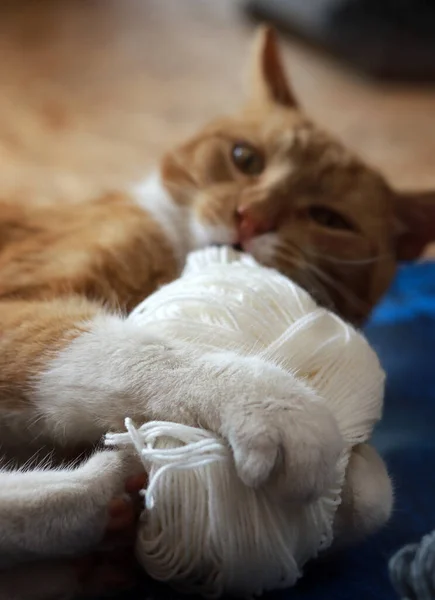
282 435
103 476
99 486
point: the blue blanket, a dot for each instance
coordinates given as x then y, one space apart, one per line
402 330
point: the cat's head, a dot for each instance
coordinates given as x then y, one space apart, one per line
271 182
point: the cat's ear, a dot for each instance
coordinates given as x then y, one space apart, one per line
415 214
269 82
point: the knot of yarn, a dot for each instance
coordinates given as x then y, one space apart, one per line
412 570
197 448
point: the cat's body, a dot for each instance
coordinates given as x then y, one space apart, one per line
72 367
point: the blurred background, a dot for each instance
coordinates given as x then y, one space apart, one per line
92 91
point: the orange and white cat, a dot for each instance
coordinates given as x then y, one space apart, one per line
265 180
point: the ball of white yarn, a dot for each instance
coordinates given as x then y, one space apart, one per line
204 529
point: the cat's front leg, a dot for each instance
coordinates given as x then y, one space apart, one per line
80 371
278 429
281 433
64 512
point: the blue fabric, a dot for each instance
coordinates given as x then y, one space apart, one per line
402 330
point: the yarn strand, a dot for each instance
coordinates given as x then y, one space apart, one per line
189 456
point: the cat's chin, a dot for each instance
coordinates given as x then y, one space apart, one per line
212 235
253 247
261 247
237 247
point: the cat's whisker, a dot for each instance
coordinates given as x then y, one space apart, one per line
349 262
316 288
344 292
288 250
302 276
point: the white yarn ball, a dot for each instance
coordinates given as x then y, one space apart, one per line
204 529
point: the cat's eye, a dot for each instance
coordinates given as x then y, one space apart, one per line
247 159
329 218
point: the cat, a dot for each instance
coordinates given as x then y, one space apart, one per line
267 181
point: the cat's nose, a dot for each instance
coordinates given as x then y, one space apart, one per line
248 226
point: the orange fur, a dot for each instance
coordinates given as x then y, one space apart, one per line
31 333
108 250
266 180
59 264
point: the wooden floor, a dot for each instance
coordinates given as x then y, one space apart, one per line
92 91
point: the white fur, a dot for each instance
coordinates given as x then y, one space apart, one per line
262 247
183 230
207 235
55 513
152 196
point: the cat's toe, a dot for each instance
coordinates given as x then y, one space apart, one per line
121 514
136 483
294 450
124 512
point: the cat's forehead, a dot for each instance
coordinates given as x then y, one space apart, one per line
314 153
282 133
275 128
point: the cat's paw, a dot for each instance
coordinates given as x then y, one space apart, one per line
281 434
111 482
123 515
